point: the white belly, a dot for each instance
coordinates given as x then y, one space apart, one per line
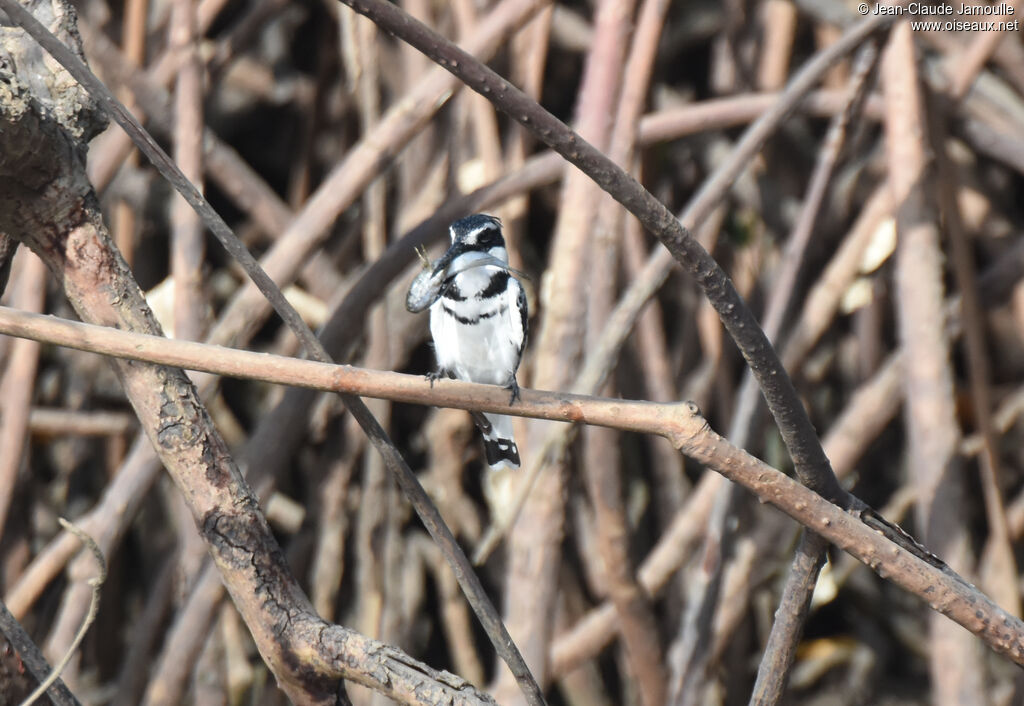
484 352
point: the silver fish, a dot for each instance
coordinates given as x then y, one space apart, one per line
430 283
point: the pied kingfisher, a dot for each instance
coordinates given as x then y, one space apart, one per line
479 324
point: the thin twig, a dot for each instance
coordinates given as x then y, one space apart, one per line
344 379
188 242
796 429
529 55
773 672
778 20
96 584
964 66
998 567
601 452
33 658
133 30
48 422
786 629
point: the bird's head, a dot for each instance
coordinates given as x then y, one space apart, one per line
476 237
477 232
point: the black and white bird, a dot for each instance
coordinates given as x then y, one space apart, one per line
479 324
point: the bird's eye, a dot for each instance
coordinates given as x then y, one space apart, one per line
488 238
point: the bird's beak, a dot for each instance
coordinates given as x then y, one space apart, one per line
441 266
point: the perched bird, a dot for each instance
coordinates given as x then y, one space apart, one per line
478 323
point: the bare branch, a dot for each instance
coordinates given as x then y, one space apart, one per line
33 658
796 429
96 584
858 534
930 409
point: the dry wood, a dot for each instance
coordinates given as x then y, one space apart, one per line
927 384
291 94
16 383
856 533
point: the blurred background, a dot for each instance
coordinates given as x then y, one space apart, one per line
627 574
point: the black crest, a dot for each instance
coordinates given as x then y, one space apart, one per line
480 230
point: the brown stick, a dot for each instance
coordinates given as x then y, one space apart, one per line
778 19
374 533
965 66
780 651
998 568
187 238
33 658
48 422
944 590
133 28
659 382
534 550
529 55
17 384
601 446
797 432
928 386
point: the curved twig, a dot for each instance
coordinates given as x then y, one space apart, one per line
96 583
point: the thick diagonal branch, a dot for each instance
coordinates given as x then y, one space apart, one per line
47 203
798 433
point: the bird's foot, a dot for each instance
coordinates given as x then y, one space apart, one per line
436 375
513 388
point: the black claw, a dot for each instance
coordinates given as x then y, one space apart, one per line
514 389
436 375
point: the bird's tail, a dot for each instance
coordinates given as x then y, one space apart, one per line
499 445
